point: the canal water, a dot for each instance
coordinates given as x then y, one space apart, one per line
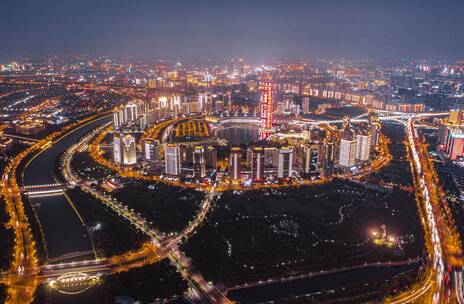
64 231
239 134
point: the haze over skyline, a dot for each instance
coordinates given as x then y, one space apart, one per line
260 30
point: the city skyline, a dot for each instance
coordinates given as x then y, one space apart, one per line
219 152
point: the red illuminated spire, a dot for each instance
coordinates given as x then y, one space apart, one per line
266 107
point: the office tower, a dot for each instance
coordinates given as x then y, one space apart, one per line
271 157
257 165
172 160
211 157
328 157
285 166
128 152
266 107
235 164
186 154
454 144
176 101
199 162
363 147
132 110
143 121
305 105
347 152
117 155
375 132
151 149
117 121
205 101
312 156
249 157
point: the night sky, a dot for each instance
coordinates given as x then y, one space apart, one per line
257 30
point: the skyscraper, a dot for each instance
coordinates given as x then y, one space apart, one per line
328 157
128 149
347 152
285 166
235 164
117 157
199 162
454 144
211 157
172 160
151 150
363 146
257 165
312 156
375 132
266 107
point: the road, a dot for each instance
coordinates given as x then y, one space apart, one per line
324 272
201 291
442 240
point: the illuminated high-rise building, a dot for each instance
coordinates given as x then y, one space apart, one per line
128 150
347 152
235 164
266 108
172 160
363 146
454 144
285 166
151 149
117 157
257 165
204 100
271 157
211 157
312 156
328 157
375 132
199 162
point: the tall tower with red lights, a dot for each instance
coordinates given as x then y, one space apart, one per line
266 107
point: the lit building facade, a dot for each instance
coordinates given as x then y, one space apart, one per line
235 164
266 108
257 165
285 166
363 147
199 162
347 153
172 160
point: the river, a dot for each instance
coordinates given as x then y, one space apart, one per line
63 229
